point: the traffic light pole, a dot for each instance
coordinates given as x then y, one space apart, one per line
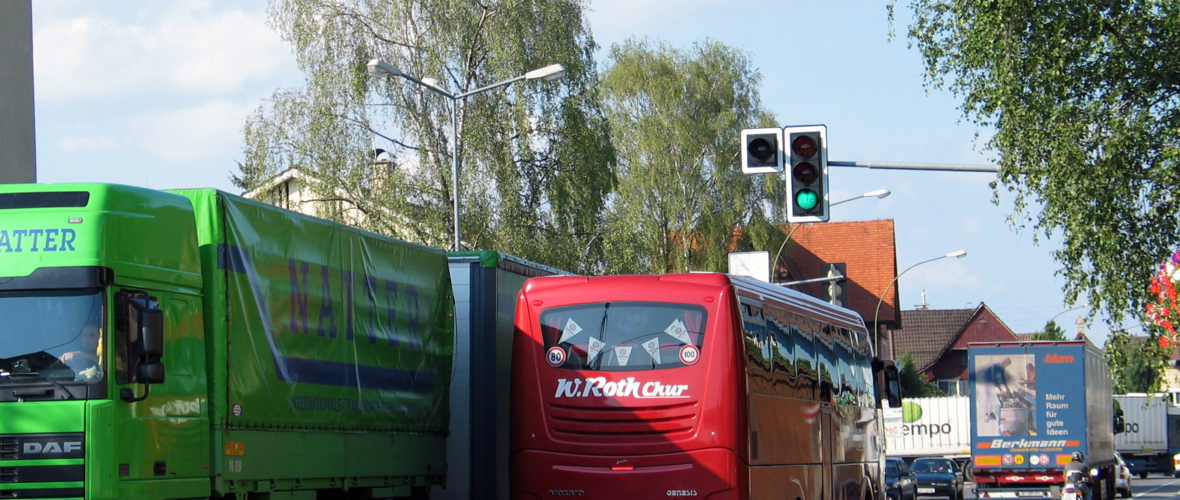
942 167
813 280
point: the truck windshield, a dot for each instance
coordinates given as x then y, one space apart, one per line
623 336
51 336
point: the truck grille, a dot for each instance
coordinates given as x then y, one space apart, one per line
635 422
17 449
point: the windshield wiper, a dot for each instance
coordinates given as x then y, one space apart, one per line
69 395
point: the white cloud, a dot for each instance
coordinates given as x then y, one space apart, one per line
189 47
86 143
211 130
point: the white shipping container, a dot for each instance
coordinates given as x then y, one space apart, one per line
932 427
1146 424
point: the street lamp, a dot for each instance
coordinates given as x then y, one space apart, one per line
1083 306
382 69
880 193
956 254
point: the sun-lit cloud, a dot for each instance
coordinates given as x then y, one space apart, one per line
190 48
210 130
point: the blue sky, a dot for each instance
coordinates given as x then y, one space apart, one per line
155 94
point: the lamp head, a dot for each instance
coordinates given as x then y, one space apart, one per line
382 69
880 193
957 253
549 73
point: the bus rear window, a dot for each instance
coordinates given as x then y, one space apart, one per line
623 336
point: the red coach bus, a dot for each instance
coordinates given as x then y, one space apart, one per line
693 385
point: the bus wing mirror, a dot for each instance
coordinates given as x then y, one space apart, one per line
892 386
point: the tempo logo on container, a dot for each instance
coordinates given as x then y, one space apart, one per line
911 413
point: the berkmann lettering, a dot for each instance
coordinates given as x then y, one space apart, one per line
1024 443
1056 358
629 387
37 240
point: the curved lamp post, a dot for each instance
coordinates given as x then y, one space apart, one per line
382 69
1058 315
956 254
880 193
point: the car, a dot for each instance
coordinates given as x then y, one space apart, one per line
1122 480
939 477
900 482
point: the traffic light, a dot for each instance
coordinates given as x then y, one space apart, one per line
807 175
836 291
762 150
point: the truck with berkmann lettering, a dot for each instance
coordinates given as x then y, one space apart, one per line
1033 404
195 344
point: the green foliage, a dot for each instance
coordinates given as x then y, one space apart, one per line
537 162
1051 332
675 116
913 385
1084 100
1137 364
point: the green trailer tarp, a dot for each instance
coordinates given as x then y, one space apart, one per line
318 325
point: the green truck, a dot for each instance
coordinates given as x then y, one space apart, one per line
195 344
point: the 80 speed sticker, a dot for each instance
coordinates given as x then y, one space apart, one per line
555 356
689 354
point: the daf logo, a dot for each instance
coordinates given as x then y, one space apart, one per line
52 447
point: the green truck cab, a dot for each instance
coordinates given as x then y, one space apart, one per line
195 344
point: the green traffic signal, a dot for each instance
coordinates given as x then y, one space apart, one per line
806 199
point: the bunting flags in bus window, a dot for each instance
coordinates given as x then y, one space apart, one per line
653 348
570 330
593 347
623 352
678 330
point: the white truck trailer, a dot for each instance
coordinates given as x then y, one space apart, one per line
1145 444
932 427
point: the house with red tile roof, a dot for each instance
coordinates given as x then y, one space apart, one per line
937 339
868 251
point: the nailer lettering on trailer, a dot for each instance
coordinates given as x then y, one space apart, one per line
629 387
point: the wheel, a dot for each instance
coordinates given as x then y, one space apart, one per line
1143 475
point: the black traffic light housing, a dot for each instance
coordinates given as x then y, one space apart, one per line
806 151
836 291
762 150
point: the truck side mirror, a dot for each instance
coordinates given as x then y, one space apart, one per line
1120 425
151 373
142 325
152 332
